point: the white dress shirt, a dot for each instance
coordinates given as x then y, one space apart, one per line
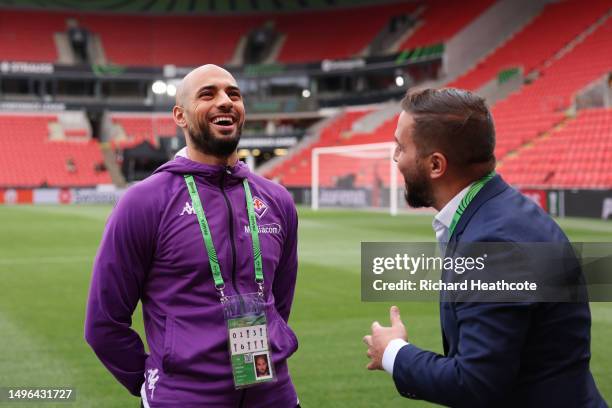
441 223
182 153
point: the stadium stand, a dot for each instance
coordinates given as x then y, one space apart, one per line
534 109
533 116
436 26
131 129
296 171
152 40
30 159
578 154
537 107
184 6
335 35
440 21
537 42
32 28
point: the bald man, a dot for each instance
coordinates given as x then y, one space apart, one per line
159 245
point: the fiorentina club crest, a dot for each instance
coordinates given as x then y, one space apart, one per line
259 206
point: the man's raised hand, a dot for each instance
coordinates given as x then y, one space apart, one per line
381 336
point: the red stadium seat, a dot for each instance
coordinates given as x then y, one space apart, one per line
332 34
140 127
440 21
297 170
537 42
29 159
578 155
32 28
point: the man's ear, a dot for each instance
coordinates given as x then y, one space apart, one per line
178 114
437 165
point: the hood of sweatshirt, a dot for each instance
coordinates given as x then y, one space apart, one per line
209 174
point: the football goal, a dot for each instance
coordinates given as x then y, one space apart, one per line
355 176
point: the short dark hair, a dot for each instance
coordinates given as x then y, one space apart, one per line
455 122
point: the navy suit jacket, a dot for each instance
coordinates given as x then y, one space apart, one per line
504 354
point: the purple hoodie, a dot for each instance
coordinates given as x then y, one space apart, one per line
152 250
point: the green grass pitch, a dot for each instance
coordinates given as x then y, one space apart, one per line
46 255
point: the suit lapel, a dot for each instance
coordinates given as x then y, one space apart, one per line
494 187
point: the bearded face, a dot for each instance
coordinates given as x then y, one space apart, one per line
217 139
419 192
210 109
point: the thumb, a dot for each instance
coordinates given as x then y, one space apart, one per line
394 314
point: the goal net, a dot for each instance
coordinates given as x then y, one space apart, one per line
355 176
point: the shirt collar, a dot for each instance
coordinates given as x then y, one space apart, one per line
182 153
443 219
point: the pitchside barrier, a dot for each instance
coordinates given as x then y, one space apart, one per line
556 202
573 203
103 194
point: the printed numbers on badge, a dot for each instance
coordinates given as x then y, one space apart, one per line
248 339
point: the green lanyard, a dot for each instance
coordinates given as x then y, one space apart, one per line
208 242
467 199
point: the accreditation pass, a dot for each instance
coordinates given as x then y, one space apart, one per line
249 349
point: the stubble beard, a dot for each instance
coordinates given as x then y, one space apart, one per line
419 192
206 142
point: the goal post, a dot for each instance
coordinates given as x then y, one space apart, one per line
355 176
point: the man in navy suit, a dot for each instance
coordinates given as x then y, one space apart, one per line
522 354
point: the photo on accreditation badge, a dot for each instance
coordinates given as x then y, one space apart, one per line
261 366
306 203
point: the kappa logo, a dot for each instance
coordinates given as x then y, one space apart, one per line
260 206
152 380
187 209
